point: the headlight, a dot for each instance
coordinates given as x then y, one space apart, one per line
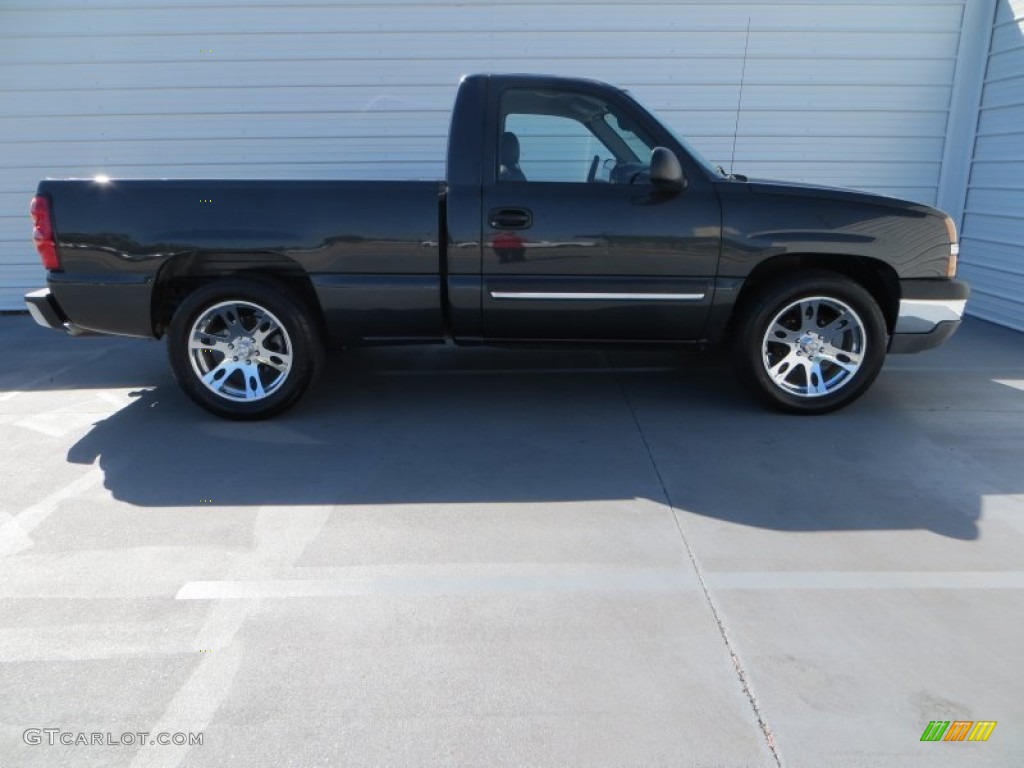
954 247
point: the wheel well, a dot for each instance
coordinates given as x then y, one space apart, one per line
876 277
181 275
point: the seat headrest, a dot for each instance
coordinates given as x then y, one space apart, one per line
509 148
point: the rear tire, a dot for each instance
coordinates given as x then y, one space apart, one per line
243 348
811 343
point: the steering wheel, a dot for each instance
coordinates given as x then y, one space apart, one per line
592 173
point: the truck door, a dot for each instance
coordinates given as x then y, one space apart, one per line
577 243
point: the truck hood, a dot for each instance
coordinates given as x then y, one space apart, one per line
797 189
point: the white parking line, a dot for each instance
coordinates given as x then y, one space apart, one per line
866 580
15 529
420 582
1005 508
282 535
93 641
29 386
60 423
192 708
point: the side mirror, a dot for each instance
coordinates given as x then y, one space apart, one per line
666 172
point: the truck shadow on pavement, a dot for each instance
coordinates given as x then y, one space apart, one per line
484 426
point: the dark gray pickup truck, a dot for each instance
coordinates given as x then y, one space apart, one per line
570 215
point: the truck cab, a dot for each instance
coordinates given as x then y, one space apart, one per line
581 237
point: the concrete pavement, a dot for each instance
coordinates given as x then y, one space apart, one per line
494 557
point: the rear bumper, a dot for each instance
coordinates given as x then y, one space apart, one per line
930 312
47 312
87 304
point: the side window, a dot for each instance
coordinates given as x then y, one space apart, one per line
568 136
552 148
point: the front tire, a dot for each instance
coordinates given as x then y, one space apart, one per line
243 348
811 343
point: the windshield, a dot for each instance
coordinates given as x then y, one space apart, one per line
698 158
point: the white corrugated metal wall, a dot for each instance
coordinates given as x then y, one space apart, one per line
993 229
849 93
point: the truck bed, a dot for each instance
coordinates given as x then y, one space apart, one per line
349 237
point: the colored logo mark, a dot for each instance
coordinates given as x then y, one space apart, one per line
958 730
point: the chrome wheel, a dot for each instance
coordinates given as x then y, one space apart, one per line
814 347
240 351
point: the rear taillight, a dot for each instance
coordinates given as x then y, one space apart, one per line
43 232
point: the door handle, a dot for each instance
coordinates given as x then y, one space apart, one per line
510 218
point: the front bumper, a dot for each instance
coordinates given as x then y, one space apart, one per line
47 312
930 312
